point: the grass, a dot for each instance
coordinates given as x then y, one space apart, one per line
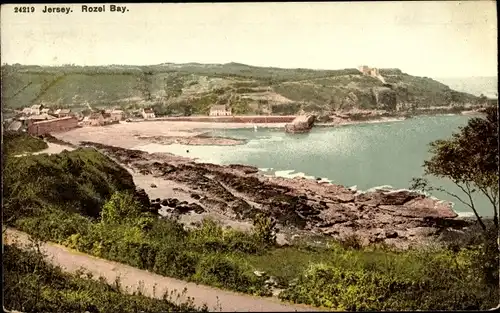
81 180
16 143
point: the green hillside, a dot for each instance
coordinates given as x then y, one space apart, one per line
192 88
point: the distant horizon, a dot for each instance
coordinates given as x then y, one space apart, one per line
251 65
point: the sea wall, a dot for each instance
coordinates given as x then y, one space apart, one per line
51 126
228 119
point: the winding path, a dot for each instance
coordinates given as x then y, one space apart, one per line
154 285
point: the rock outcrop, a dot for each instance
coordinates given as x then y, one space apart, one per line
396 217
301 124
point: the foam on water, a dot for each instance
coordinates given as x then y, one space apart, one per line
265 169
465 214
382 187
292 174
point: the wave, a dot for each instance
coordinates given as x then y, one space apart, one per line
465 214
265 169
291 174
270 139
380 188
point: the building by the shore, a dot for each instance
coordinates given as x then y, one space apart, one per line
53 125
220 110
36 109
117 115
147 113
94 119
62 112
40 117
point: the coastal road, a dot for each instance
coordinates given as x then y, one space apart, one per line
154 285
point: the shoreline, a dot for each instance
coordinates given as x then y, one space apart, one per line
195 132
193 135
234 193
301 176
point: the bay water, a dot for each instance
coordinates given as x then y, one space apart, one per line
362 156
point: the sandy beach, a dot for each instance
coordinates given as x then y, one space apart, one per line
128 135
131 134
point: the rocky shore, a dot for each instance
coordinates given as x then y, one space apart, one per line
197 140
396 217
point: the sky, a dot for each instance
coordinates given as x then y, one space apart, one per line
434 39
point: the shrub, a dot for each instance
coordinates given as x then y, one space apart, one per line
264 229
120 206
220 271
175 262
445 282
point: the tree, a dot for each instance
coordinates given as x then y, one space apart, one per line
121 206
470 160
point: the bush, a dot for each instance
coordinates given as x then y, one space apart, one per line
264 229
56 224
445 282
175 262
120 206
220 271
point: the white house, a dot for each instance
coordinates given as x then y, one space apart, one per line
62 112
147 113
220 110
36 109
117 115
94 119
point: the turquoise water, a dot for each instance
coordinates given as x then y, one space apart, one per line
364 156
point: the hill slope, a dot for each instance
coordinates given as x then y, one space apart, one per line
192 88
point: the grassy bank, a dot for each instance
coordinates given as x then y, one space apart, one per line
30 284
17 143
338 276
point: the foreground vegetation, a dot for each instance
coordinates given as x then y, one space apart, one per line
16 143
31 284
338 276
192 88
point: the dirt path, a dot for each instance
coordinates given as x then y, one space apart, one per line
132 278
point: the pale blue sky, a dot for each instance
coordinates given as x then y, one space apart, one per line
436 39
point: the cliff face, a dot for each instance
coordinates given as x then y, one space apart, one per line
193 88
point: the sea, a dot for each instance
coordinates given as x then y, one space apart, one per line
363 157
